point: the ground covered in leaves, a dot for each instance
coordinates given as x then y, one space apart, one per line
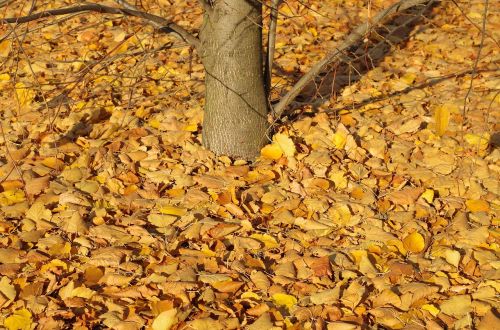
377 207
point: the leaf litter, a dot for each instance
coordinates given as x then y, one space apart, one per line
380 213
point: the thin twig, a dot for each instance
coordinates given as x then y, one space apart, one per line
351 40
271 42
163 24
476 62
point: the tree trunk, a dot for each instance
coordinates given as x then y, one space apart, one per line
235 119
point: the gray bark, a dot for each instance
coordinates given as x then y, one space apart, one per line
235 119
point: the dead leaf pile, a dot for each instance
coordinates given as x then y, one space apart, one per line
380 208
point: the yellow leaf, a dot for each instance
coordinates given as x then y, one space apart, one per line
442 118
161 220
166 320
271 151
5 47
340 213
286 11
475 15
285 143
477 205
82 292
428 195
431 309
11 197
282 299
172 210
53 163
53 264
207 251
155 123
60 249
24 95
226 286
414 242
339 179
313 31
452 257
4 77
398 245
409 78
250 295
280 45
269 241
20 320
339 139
457 306
479 141
191 128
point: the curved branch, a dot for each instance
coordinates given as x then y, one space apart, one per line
161 23
353 38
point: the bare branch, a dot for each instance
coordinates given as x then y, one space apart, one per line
126 4
271 41
357 35
161 23
205 4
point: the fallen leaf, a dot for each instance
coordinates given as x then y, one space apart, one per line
166 320
414 242
442 117
19 320
11 197
285 143
172 210
271 151
457 306
282 299
269 241
477 205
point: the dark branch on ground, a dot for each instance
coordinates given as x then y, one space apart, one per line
161 23
354 37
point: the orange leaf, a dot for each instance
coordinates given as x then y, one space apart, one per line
271 151
414 242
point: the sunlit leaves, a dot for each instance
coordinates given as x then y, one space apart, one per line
377 203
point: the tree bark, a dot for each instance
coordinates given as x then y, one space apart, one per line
235 119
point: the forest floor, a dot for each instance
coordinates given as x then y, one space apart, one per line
376 205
